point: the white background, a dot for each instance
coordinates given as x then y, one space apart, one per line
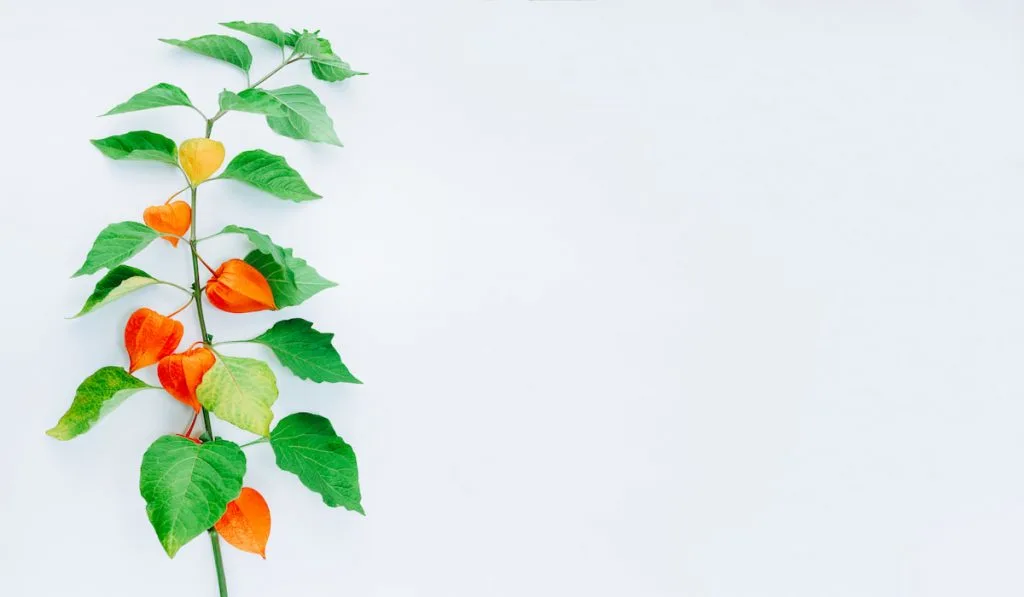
651 299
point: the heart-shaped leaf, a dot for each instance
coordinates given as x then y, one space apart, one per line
187 486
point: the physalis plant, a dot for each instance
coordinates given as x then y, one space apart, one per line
193 481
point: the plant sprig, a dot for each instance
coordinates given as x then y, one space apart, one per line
195 484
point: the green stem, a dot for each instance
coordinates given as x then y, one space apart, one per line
284 63
254 442
197 293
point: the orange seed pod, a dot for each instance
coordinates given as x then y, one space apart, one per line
180 374
174 218
246 522
237 287
200 158
149 337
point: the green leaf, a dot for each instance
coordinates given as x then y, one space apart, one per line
241 392
138 145
306 444
221 47
287 294
270 173
306 118
263 244
115 244
326 66
308 353
255 101
187 486
267 31
118 282
100 393
157 96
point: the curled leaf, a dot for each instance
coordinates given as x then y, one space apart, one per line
200 158
237 287
149 337
174 218
246 522
180 374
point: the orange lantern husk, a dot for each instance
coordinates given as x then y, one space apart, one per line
200 158
149 337
180 374
174 218
246 522
237 287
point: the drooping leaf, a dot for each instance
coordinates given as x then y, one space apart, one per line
187 486
308 353
118 282
255 101
307 445
138 145
221 47
98 395
305 117
246 523
115 244
157 96
263 244
288 294
270 173
241 392
267 31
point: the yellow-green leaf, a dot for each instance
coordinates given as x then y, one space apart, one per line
241 392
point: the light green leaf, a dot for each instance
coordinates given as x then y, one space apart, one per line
187 486
157 96
118 282
287 294
306 118
100 393
306 444
326 66
115 244
267 31
255 101
263 244
138 145
221 47
270 173
241 392
308 353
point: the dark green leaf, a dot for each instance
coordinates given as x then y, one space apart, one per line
187 486
99 394
308 353
255 101
305 117
157 96
267 31
118 282
221 47
115 244
241 392
287 294
270 173
307 445
138 145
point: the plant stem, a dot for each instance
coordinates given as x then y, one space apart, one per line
285 62
218 561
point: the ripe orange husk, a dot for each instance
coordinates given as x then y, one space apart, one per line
180 374
174 218
246 522
237 287
200 158
149 337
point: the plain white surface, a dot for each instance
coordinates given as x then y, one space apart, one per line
651 298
